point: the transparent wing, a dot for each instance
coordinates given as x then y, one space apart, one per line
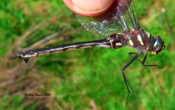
91 24
119 18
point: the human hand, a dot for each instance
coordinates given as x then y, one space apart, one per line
89 7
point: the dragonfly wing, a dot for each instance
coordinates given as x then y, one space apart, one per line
94 26
121 17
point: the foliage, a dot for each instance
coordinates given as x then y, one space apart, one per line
84 78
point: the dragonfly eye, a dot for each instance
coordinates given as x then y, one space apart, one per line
158 46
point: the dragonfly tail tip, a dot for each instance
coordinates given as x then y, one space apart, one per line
26 60
19 57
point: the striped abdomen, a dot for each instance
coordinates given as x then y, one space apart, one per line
114 41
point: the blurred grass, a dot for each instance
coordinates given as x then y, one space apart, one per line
79 78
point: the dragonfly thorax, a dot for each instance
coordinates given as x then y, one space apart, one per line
144 41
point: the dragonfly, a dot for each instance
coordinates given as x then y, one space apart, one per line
120 27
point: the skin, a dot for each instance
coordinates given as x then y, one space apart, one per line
88 7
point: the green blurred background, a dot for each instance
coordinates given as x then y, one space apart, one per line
86 79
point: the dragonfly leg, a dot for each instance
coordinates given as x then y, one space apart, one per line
144 60
134 53
128 85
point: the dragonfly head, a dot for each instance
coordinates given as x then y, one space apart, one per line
157 45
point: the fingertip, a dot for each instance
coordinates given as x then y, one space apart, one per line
89 7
